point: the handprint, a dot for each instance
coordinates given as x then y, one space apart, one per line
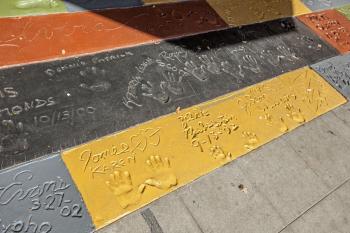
173 84
155 92
210 64
163 177
233 70
92 80
198 72
218 153
15 139
251 64
27 4
287 53
252 140
268 56
121 186
295 115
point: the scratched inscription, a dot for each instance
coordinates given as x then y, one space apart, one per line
332 26
40 197
337 72
124 171
47 107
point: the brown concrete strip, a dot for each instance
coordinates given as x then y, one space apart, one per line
332 26
31 39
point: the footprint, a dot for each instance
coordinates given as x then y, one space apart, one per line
27 4
252 140
163 178
121 186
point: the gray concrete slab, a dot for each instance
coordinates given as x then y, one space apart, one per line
283 178
325 153
316 5
40 196
330 214
336 71
219 205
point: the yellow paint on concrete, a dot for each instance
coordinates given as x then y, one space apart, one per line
125 171
238 12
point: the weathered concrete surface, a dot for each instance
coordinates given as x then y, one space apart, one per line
316 5
83 5
336 71
40 196
83 98
295 184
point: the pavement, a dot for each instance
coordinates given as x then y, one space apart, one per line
298 183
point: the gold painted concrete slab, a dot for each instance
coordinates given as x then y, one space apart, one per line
237 12
122 172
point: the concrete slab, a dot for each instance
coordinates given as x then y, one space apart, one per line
330 214
345 10
15 8
219 205
332 26
67 35
316 5
41 197
326 153
336 71
83 5
282 192
283 178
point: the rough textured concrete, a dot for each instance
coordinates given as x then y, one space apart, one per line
297 183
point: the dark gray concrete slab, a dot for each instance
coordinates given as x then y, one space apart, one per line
336 71
50 106
83 5
41 197
316 5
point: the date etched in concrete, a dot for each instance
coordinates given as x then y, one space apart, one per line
51 106
336 71
40 197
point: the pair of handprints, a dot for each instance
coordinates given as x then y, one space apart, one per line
121 185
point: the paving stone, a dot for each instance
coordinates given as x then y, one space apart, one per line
336 71
283 178
76 100
328 158
332 26
83 5
41 197
219 205
64 35
238 13
316 5
11 8
329 215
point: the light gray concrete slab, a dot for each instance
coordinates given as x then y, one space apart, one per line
329 215
324 152
132 223
343 113
219 205
283 178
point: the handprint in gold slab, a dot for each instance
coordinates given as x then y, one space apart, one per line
121 186
163 177
251 140
295 114
218 153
